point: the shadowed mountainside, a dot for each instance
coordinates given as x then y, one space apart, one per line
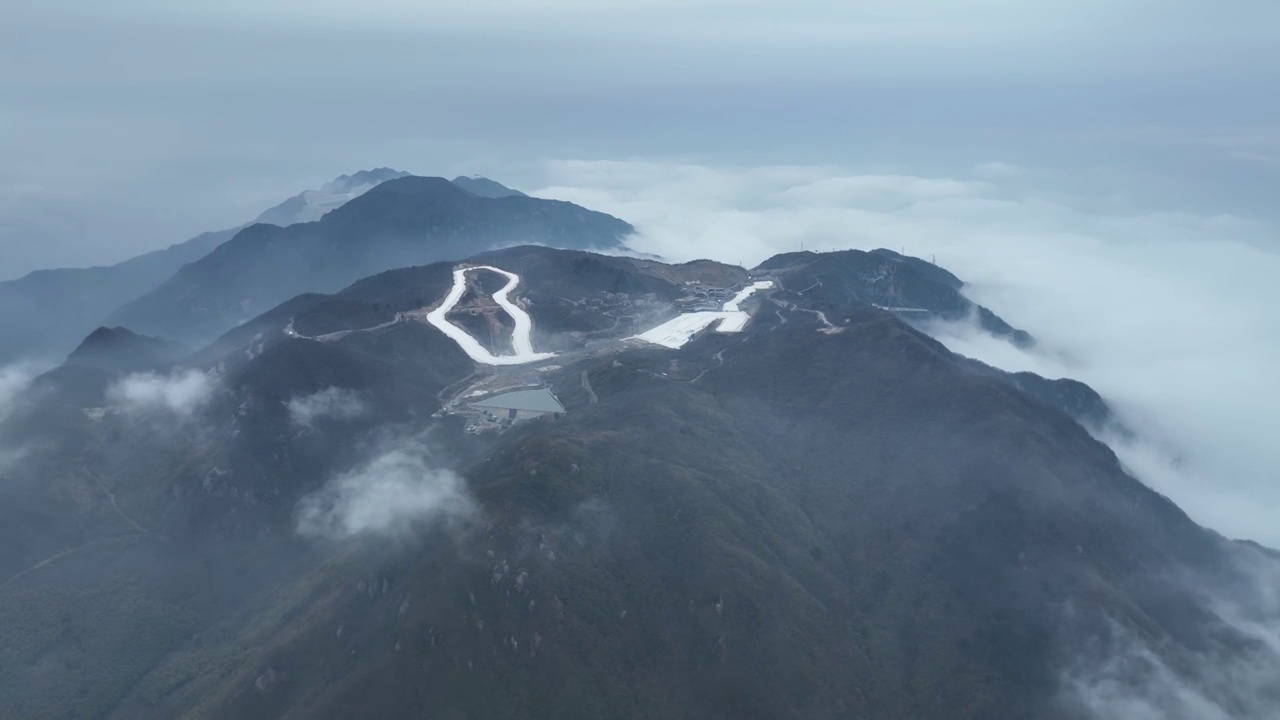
43 314
407 221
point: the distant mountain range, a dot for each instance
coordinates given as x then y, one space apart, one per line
402 222
44 314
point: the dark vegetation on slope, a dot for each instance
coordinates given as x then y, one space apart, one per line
782 523
871 532
1073 397
830 281
158 528
553 281
884 278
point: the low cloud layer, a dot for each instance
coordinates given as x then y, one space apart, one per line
1124 677
387 496
14 379
181 393
1166 313
331 403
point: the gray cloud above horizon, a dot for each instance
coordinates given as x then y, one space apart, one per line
136 128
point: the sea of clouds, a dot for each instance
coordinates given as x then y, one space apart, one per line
1168 314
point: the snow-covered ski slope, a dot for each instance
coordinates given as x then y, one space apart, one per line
679 330
522 336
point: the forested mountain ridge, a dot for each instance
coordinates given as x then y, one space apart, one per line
827 514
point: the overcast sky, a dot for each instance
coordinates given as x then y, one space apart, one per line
133 124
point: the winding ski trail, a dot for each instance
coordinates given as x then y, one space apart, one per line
521 336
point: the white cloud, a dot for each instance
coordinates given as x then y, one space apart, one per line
14 382
181 393
1234 674
387 496
332 402
1169 315
14 379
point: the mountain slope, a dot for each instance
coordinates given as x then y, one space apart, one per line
120 350
484 187
920 293
836 525
821 516
916 289
43 314
408 221
311 205
46 312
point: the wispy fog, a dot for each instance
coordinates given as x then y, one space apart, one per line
388 496
13 380
1122 677
1168 315
330 403
182 392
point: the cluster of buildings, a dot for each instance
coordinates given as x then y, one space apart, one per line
701 297
608 302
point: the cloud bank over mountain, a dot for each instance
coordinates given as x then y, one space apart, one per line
387 496
181 393
330 403
1166 314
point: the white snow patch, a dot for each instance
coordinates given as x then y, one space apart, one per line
679 330
521 337
743 294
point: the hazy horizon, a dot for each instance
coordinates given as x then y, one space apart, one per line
135 126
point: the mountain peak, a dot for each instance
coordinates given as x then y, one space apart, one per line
121 349
311 205
421 184
484 187
365 179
